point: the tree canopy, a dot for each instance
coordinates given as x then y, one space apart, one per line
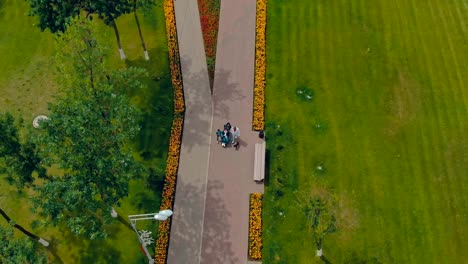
108 10
55 14
22 250
18 159
87 136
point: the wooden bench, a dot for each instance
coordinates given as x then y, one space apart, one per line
259 164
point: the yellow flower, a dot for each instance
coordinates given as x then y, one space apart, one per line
255 227
258 122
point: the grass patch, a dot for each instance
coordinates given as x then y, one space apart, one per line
27 83
387 122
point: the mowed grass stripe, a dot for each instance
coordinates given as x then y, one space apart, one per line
447 50
460 13
345 48
325 29
454 31
384 159
322 99
437 134
362 93
449 200
455 201
427 168
298 38
282 49
405 203
397 171
442 128
426 198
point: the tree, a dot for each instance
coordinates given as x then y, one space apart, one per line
320 209
18 160
109 11
24 231
20 251
56 15
145 5
87 136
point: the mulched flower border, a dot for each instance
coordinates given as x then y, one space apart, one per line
258 122
255 226
172 162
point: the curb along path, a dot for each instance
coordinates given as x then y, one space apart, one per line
211 210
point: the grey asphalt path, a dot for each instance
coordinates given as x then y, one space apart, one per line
187 222
210 221
230 176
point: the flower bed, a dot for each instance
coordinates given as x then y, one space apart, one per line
209 19
258 122
255 226
172 162
168 193
174 56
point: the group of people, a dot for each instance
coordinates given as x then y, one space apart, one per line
230 134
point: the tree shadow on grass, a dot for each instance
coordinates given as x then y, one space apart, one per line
325 260
267 167
155 101
124 222
52 249
83 250
99 251
146 191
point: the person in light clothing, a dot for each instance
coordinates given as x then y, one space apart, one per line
235 132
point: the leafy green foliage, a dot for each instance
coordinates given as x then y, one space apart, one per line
108 10
55 15
21 251
18 160
87 136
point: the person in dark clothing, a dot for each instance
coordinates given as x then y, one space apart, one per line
219 134
227 126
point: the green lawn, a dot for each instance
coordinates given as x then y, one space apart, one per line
387 121
27 83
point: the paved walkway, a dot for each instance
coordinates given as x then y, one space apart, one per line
210 222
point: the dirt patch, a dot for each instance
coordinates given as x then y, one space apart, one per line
405 101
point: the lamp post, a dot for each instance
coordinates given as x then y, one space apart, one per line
143 237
